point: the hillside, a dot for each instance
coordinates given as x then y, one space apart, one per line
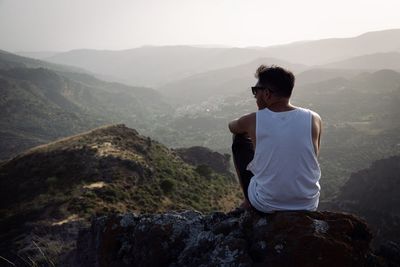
316 74
377 61
373 194
50 190
10 60
36 108
39 105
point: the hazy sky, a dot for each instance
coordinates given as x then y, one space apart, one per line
59 25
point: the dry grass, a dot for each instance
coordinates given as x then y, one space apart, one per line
95 185
71 218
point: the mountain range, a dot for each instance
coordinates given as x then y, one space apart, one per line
156 66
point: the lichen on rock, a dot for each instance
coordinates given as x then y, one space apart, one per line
238 238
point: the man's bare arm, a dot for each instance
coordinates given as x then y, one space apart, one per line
236 126
242 125
316 132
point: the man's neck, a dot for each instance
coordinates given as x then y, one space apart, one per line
281 105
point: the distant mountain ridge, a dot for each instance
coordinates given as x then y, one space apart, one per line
37 55
172 63
222 82
335 49
388 60
153 66
10 60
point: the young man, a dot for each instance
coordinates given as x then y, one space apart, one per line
275 149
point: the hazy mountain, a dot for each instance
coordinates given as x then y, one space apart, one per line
315 75
152 65
340 100
218 83
390 60
9 60
46 193
156 66
39 105
331 50
37 55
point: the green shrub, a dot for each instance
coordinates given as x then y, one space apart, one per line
51 180
204 170
167 185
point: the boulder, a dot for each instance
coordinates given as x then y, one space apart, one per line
238 238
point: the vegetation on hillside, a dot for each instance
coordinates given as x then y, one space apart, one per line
372 193
111 169
41 105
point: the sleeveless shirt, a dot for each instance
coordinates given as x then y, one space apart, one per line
285 166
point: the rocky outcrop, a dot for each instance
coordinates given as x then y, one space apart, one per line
238 238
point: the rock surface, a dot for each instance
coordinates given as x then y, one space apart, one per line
238 238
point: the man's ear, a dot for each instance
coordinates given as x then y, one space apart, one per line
266 95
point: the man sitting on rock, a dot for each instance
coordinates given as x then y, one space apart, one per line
275 149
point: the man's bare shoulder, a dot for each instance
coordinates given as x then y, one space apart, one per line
248 120
248 116
316 116
242 124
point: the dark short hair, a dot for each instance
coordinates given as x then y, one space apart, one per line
278 79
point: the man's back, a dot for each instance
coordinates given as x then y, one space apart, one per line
285 166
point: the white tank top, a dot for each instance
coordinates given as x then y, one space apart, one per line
285 166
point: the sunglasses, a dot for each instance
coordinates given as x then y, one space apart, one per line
254 89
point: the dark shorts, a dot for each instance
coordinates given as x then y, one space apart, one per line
243 153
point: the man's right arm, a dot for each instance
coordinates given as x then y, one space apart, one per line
316 131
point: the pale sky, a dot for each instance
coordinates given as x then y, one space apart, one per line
61 25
